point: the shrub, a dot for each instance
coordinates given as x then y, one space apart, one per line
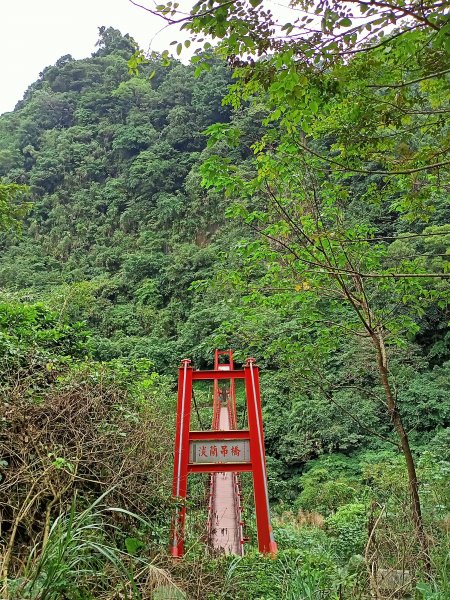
349 528
88 433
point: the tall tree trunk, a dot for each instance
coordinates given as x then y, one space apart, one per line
396 419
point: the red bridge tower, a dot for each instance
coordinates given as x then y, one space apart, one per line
221 449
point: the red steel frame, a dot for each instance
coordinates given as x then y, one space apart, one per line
255 434
231 399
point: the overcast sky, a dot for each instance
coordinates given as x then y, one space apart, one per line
35 33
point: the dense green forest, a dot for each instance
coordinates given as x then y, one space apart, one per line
285 194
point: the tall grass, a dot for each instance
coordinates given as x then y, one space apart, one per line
291 575
438 588
80 562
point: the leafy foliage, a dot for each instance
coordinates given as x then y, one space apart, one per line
311 231
12 207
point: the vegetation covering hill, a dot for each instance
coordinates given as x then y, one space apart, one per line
144 245
120 227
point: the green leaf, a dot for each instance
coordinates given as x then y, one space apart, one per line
345 22
133 545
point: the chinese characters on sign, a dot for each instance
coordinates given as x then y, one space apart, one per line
219 451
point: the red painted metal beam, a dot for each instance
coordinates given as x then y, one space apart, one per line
220 467
180 467
214 434
266 541
236 374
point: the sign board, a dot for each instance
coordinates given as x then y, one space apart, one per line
219 451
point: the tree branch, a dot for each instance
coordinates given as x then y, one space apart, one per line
405 83
368 172
189 17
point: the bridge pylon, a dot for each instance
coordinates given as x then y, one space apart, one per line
224 451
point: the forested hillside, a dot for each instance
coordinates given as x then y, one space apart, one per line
120 226
304 221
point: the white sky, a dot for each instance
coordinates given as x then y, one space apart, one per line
35 33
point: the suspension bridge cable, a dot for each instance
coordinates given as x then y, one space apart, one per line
197 411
